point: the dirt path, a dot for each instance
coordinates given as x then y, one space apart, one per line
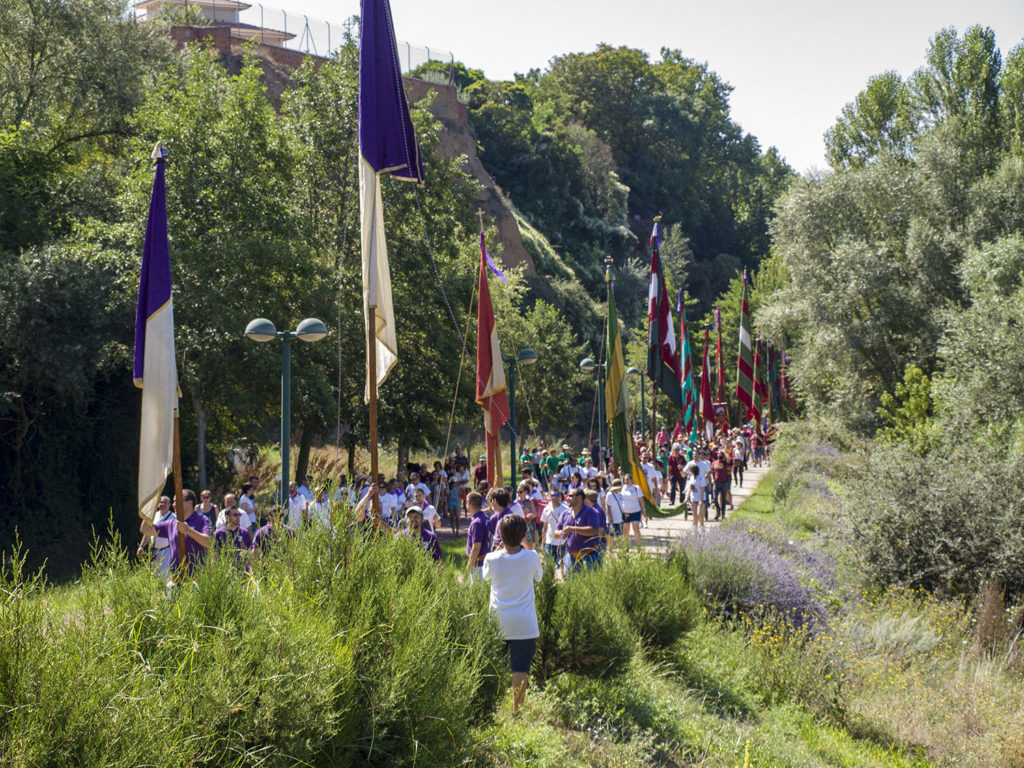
661 534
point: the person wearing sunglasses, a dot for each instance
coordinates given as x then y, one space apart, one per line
233 536
581 532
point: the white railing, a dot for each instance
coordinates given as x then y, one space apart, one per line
324 38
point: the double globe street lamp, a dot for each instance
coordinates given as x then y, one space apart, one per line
308 330
527 357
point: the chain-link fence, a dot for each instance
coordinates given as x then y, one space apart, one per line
298 32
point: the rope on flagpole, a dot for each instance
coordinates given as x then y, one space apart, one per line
458 379
597 384
447 303
337 266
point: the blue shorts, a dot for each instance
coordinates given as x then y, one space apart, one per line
632 517
615 529
520 654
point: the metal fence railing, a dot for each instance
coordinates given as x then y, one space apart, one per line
323 38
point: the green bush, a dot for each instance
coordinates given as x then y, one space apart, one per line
656 597
581 629
337 651
947 522
594 621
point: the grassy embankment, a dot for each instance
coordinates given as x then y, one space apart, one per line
871 677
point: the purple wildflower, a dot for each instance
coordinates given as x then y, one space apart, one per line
741 573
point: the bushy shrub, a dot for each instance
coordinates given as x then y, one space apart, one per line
738 573
338 650
656 596
586 631
594 621
947 522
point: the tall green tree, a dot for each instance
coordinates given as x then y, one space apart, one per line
881 121
233 236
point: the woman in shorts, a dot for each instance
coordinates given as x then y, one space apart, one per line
632 509
511 571
694 492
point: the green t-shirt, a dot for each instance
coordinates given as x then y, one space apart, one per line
551 462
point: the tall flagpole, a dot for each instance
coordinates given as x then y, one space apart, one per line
179 494
387 145
371 379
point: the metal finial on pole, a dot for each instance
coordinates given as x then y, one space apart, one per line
480 216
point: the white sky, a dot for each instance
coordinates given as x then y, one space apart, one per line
793 64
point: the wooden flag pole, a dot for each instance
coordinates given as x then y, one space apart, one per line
371 380
179 495
654 419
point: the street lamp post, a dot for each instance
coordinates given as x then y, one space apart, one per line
262 330
589 365
526 356
634 372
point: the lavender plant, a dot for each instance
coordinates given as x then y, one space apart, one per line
739 573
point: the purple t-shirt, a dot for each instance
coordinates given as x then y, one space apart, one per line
587 517
240 539
266 537
195 553
479 533
492 525
429 540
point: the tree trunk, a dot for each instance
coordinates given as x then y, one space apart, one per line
202 419
302 462
403 457
350 444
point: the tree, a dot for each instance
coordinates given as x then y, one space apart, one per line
546 389
233 233
64 102
67 405
958 91
881 121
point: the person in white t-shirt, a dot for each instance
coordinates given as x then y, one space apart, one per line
705 471
431 520
391 503
247 503
694 492
654 477
613 508
589 470
632 509
230 500
320 509
511 571
298 507
414 483
549 518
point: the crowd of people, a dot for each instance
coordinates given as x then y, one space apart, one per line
566 507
